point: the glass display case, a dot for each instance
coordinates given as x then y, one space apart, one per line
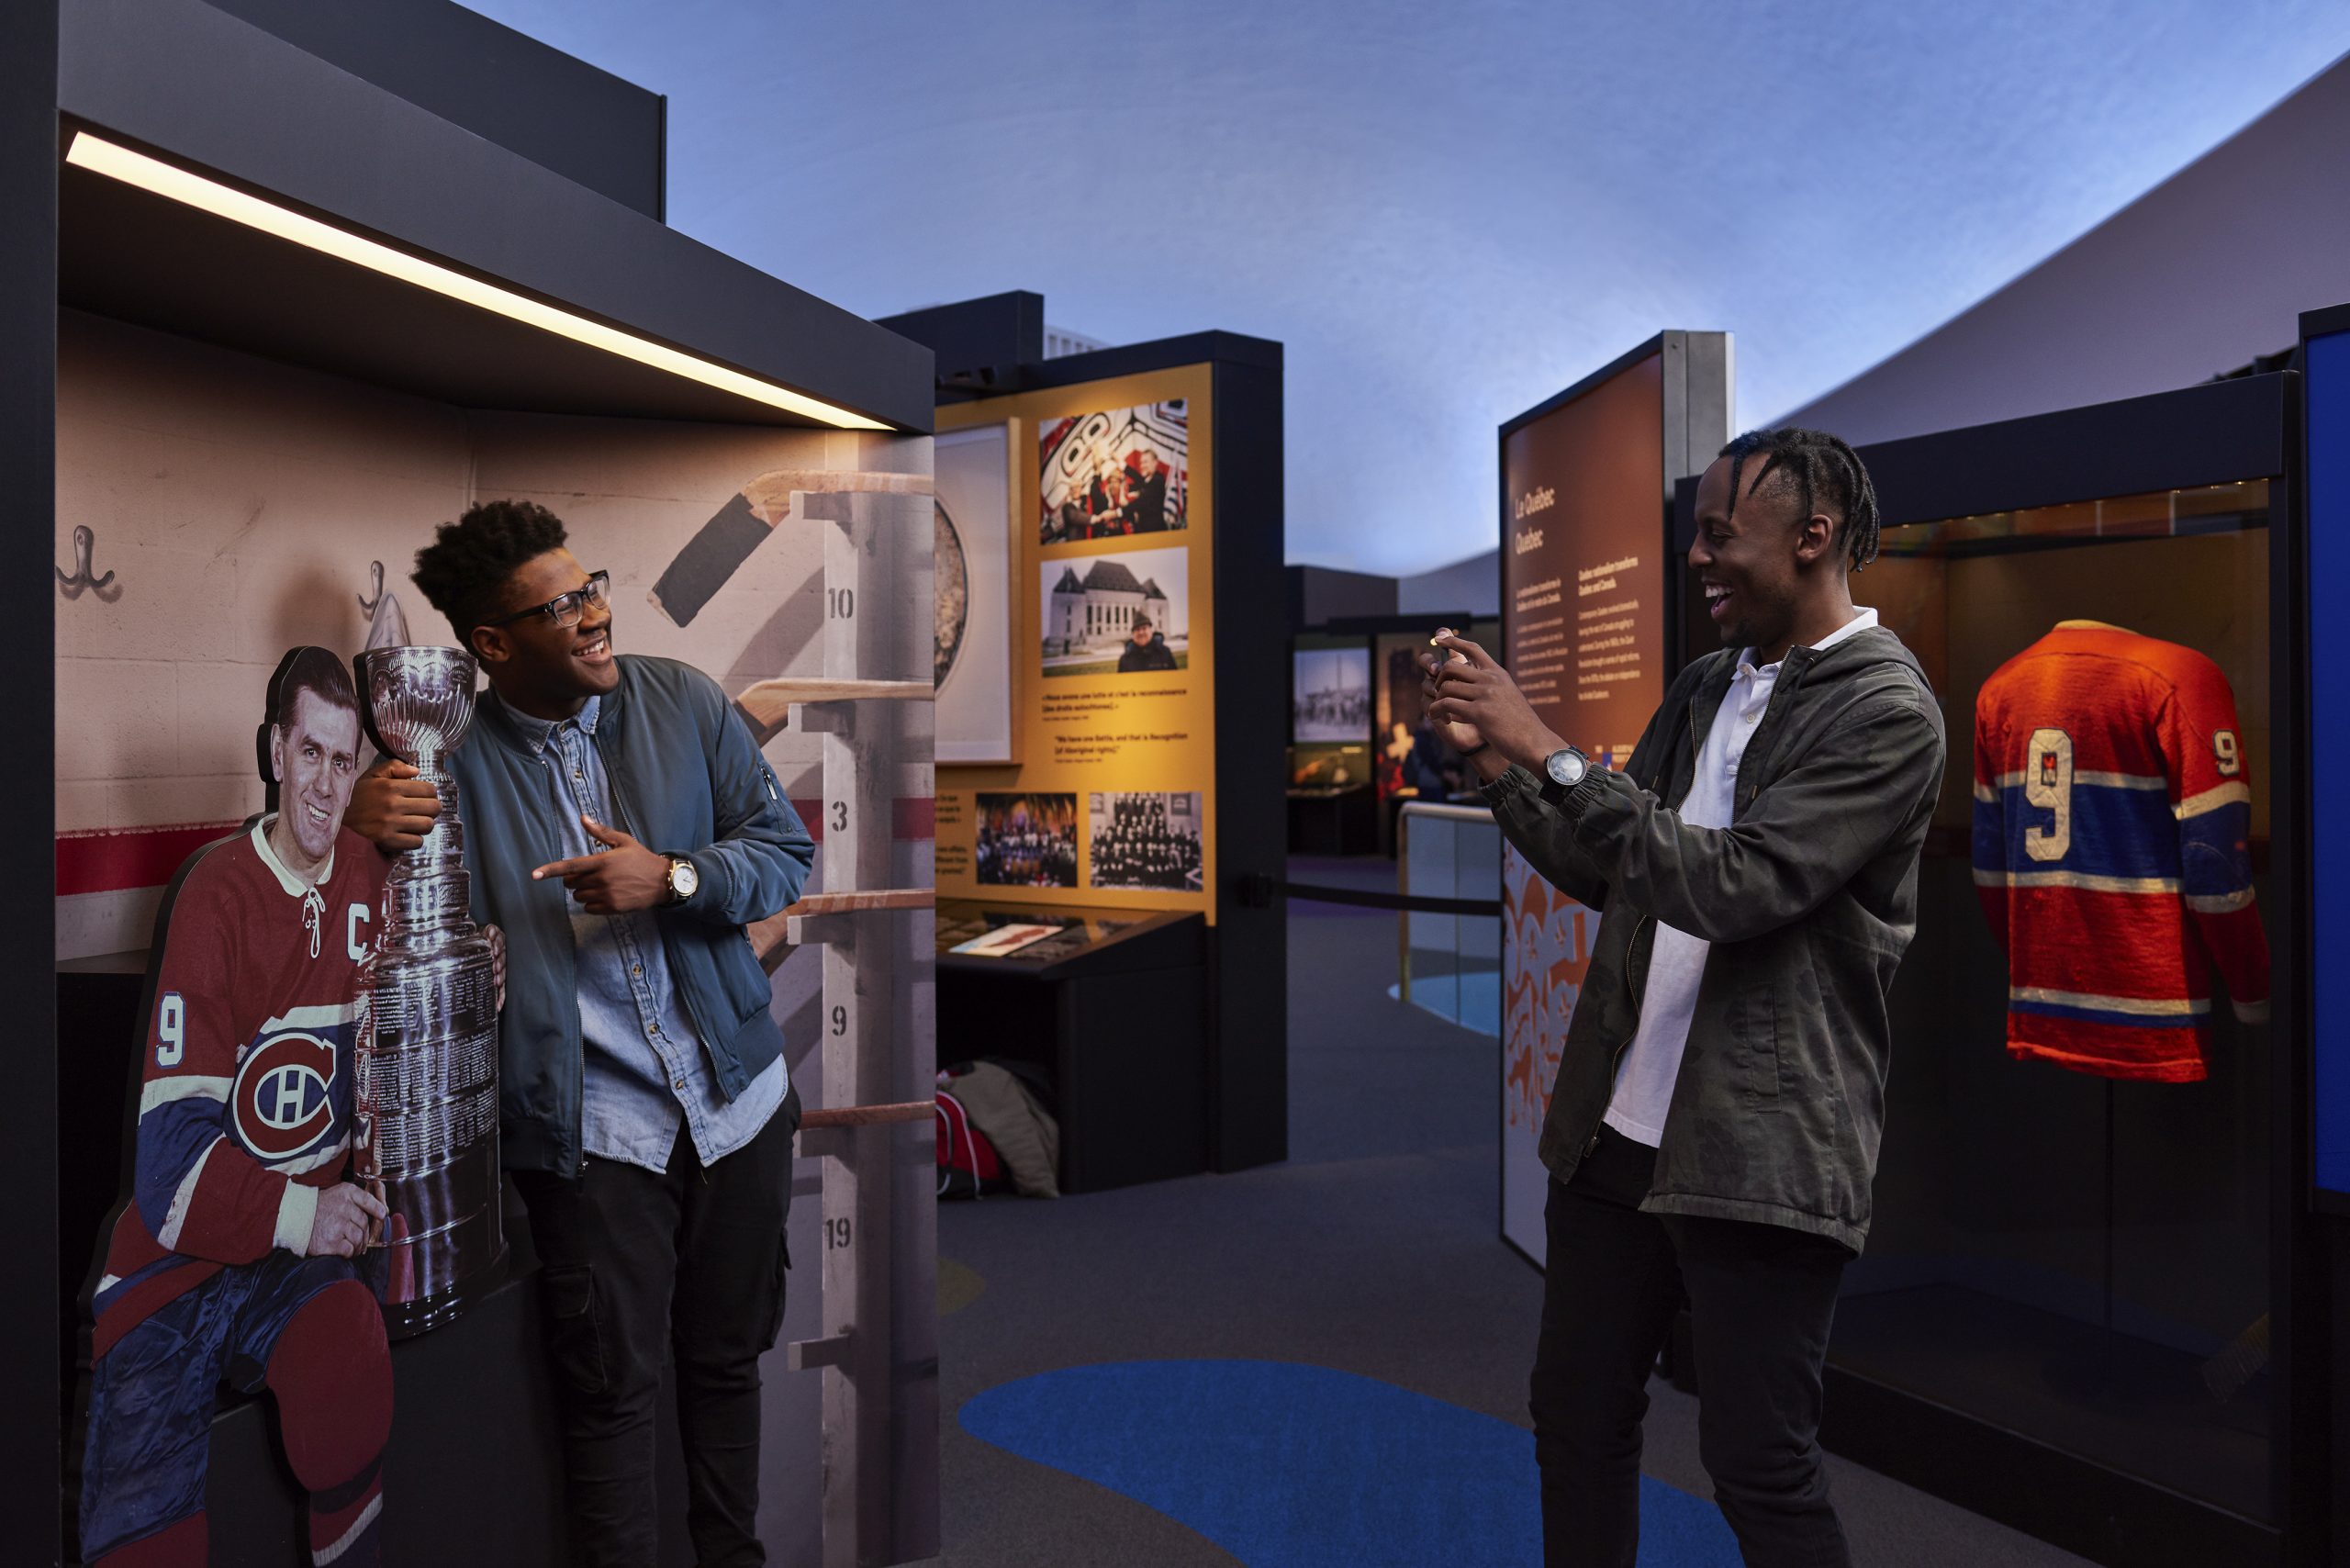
2089 1266
2073 1240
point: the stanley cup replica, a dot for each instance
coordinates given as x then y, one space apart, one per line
425 1133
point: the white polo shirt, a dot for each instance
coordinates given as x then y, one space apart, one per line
1652 1063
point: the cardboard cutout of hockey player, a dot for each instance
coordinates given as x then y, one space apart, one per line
230 1259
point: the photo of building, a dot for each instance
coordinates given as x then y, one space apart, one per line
1125 614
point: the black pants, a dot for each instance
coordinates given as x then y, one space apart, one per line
1761 1298
637 1266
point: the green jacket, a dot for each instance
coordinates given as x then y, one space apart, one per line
1809 897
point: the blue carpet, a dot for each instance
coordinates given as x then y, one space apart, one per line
1292 1466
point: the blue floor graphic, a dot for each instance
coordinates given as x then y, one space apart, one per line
1292 1466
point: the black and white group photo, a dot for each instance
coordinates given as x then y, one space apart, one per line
1026 841
1330 694
1145 841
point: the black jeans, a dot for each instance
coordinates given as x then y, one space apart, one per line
1760 1299
636 1267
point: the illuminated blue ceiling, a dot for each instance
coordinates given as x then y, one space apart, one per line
1446 213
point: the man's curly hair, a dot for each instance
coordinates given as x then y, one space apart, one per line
462 573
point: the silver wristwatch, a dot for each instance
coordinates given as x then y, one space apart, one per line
1566 767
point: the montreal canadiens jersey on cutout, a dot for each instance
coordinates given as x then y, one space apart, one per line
246 1079
2113 827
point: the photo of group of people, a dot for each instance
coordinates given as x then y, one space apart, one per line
1145 841
1330 694
1026 841
1118 472
1134 839
1127 613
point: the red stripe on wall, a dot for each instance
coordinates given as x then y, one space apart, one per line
109 861
911 816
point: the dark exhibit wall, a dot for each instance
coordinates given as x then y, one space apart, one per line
1133 791
2328 504
30 1380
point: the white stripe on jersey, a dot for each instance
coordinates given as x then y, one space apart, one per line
2218 903
2212 799
2144 1007
192 1086
2083 776
2076 880
312 1161
312 1018
349 1537
169 1236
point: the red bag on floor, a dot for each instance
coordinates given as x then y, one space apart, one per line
968 1165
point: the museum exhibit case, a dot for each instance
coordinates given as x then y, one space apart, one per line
2088 1301
1140 495
1108 1005
1337 775
300 317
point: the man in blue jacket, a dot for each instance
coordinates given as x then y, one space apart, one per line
623 829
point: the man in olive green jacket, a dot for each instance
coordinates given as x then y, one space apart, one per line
1720 1094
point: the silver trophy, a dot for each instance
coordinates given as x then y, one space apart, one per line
425 1131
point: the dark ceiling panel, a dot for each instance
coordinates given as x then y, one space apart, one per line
141 258
201 88
554 109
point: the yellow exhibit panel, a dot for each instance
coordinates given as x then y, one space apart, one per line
1112 654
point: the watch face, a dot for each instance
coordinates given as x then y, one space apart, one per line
684 878
1566 767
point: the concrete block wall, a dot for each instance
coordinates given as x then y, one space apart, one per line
240 503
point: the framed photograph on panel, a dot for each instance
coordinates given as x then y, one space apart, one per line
972 663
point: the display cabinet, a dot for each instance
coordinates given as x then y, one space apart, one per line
2081 1303
1111 1005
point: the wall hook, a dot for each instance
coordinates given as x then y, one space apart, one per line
367 604
85 544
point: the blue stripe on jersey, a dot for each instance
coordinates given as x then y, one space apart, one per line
2099 1016
2115 833
172 1137
2214 860
162 1265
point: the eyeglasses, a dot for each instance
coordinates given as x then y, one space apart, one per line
564 609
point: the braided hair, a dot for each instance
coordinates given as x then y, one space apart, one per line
1821 468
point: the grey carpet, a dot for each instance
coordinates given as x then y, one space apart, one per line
1374 1250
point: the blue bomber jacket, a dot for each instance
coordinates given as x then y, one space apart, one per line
686 779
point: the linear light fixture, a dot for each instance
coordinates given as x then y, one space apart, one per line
103 157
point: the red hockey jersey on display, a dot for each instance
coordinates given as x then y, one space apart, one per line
2112 821
244 1108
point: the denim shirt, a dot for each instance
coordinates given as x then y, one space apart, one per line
644 1067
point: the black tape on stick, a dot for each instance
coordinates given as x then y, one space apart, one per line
709 559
